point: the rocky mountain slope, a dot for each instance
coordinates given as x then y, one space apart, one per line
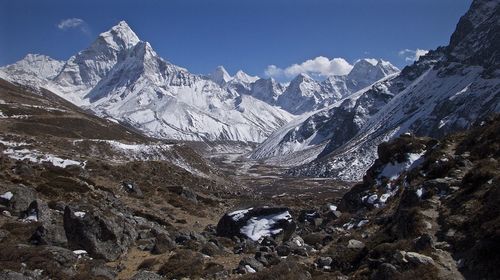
306 137
446 90
78 191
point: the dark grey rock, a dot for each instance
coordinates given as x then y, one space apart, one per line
385 271
163 244
283 250
146 275
102 235
23 197
324 261
255 264
132 189
12 275
424 242
185 192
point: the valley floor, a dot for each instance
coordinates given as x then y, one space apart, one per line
268 185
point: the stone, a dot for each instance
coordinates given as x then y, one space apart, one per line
252 262
163 243
283 250
324 261
424 242
102 235
23 197
12 275
308 216
132 188
385 271
146 275
185 192
399 256
355 244
211 249
417 258
267 259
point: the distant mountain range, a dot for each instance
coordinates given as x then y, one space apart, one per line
121 77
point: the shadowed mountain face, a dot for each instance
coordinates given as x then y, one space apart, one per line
447 90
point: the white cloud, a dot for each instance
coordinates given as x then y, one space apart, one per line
319 66
412 55
74 23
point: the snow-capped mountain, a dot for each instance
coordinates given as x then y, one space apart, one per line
304 94
33 70
366 71
122 77
243 77
447 90
267 90
85 69
308 136
220 76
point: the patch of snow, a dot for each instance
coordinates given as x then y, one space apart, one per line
372 198
80 214
7 196
38 157
332 207
80 253
393 170
249 269
383 198
362 223
12 144
33 217
238 215
258 227
419 192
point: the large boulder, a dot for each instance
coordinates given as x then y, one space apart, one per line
102 235
256 223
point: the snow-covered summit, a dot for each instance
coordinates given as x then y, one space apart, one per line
120 36
367 71
243 77
35 65
220 76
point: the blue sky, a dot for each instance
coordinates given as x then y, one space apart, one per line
239 34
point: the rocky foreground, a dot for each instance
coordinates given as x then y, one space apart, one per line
87 198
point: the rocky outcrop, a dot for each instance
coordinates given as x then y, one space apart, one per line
102 234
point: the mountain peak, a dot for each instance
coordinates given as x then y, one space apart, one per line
302 77
120 36
241 76
220 75
371 61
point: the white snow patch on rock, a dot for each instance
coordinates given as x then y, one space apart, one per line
239 214
259 227
80 214
393 170
7 196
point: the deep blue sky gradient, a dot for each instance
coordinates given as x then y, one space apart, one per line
239 34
